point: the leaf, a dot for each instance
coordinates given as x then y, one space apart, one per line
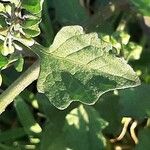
142 66
12 134
82 130
3 61
32 31
34 6
135 102
57 142
143 140
26 118
110 102
0 79
2 22
30 22
70 12
6 147
143 6
79 67
84 126
46 26
19 64
2 8
132 51
49 110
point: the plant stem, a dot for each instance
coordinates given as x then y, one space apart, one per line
30 75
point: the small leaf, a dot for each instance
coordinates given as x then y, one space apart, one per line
33 6
30 22
79 67
25 41
6 50
0 80
2 8
143 6
3 61
2 22
132 51
33 31
19 64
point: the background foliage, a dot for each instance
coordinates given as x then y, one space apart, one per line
31 121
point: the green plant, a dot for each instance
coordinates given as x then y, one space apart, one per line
86 63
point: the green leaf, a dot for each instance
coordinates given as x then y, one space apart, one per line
34 6
26 118
136 102
57 142
32 31
2 8
3 61
83 129
110 102
12 134
19 64
6 147
2 21
46 26
143 140
28 23
0 79
132 51
79 67
70 12
143 6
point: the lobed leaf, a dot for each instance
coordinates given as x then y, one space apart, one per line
79 67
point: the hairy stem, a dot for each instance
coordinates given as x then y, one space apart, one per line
19 85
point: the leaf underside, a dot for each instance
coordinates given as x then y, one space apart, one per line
80 67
